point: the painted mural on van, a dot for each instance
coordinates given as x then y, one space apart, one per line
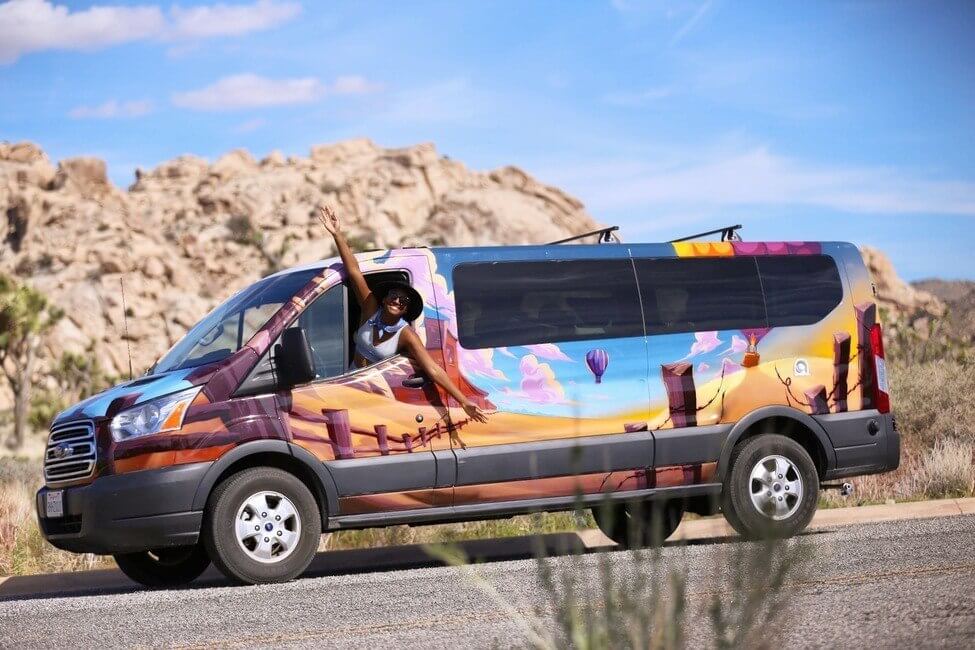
534 392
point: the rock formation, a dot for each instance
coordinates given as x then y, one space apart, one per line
188 233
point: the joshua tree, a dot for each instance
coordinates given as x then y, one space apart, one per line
25 314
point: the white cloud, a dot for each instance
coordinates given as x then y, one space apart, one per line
37 25
353 85
755 176
251 91
230 20
112 109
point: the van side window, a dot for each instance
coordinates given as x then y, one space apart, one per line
700 294
522 303
799 290
324 322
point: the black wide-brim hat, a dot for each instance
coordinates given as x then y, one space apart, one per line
416 301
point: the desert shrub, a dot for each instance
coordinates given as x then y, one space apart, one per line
933 400
946 470
243 231
76 377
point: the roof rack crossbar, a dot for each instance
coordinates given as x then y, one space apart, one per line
605 236
728 233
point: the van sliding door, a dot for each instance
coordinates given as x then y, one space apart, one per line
557 347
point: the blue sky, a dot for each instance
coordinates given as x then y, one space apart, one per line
848 121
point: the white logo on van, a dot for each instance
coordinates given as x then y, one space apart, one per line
801 368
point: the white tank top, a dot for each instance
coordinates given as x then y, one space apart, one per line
375 353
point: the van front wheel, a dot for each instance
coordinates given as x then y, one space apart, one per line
771 488
262 525
169 567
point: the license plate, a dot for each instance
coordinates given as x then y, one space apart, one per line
881 374
54 503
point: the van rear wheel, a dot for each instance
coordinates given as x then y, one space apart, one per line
638 524
168 567
262 525
771 488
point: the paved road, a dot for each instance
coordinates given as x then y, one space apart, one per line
902 583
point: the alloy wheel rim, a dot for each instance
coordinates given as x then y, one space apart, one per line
268 527
775 487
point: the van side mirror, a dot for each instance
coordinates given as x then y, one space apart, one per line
293 358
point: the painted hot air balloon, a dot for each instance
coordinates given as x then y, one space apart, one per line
597 359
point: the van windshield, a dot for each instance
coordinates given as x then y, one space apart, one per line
228 327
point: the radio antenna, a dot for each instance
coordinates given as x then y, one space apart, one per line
125 322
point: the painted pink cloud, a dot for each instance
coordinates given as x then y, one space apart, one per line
480 363
506 352
738 345
704 342
538 382
703 367
548 351
728 366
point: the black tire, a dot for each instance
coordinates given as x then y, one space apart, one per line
639 524
794 513
169 567
237 559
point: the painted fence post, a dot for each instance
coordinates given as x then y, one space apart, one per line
423 436
841 369
866 314
337 423
816 396
408 442
382 437
681 393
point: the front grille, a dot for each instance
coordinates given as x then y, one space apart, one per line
70 452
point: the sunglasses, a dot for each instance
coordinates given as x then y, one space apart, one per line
398 296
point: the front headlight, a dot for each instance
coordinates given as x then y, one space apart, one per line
156 416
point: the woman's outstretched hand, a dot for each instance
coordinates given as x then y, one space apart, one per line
329 220
475 413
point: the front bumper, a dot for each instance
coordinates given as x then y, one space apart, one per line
127 513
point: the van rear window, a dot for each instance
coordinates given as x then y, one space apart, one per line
799 290
521 303
700 294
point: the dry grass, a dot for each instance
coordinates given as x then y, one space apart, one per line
22 549
536 524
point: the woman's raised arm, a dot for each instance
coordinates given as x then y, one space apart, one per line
367 302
